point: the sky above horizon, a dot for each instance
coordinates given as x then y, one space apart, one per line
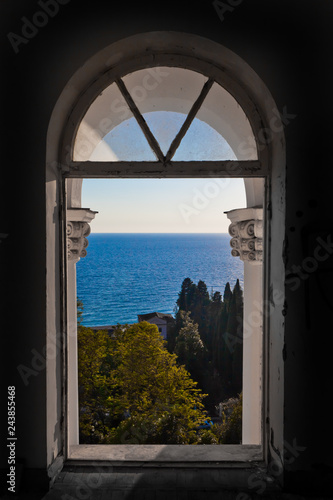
162 205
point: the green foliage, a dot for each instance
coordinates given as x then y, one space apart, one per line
186 293
231 429
132 373
189 346
134 387
219 325
79 305
207 436
95 386
227 294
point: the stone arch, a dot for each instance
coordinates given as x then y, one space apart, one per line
121 57
193 53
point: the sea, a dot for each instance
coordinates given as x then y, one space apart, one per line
124 275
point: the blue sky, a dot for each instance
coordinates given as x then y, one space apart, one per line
162 205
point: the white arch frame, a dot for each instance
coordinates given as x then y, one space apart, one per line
241 81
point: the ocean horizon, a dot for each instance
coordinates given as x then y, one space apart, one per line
126 274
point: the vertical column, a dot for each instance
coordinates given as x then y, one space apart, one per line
246 230
78 230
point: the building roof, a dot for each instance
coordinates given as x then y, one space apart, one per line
148 316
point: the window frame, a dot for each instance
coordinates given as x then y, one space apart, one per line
125 169
260 168
164 169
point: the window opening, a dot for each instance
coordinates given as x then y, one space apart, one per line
211 104
214 107
126 276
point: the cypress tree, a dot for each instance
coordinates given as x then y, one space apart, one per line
218 344
185 295
220 326
228 343
215 308
184 302
189 346
237 359
227 295
199 309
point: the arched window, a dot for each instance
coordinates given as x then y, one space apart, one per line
166 89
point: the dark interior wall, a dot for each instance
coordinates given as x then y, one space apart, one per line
288 44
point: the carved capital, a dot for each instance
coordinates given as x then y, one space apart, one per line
77 242
246 231
78 230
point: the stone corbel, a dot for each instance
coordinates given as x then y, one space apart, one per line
78 230
246 231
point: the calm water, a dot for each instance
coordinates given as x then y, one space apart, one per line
125 275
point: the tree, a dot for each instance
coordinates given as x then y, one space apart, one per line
231 362
199 309
184 303
237 358
214 313
218 342
139 393
220 327
95 387
79 305
163 402
189 346
227 294
185 295
232 421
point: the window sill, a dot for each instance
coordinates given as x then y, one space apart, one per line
175 455
239 467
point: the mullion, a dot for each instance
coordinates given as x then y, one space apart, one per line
190 117
141 121
181 169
